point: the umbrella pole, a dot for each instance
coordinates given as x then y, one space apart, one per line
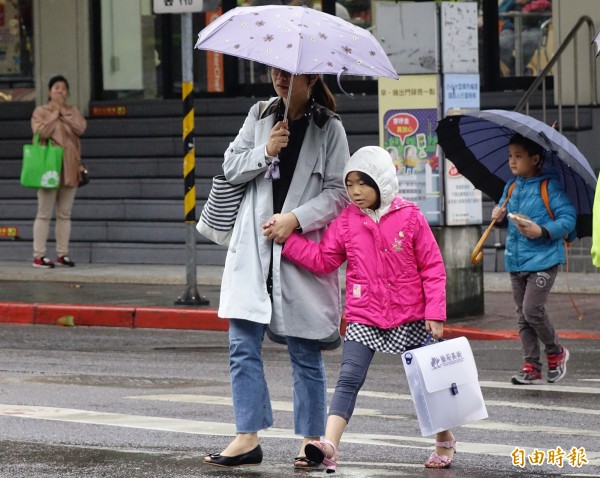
287 104
477 254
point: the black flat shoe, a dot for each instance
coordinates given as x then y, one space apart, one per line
252 458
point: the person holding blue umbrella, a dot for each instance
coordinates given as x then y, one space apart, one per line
535 246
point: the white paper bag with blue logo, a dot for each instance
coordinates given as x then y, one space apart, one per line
444 385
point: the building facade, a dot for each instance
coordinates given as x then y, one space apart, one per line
114 49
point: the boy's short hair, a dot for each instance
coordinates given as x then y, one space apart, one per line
528 145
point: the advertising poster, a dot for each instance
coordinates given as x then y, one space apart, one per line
408 116
463 201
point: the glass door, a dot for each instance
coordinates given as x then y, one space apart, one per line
16 51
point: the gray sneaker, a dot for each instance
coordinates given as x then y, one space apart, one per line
557 365
529 375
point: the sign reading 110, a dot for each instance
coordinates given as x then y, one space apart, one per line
183 6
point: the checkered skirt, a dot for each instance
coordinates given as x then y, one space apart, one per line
392 341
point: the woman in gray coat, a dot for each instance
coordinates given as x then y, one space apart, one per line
293 170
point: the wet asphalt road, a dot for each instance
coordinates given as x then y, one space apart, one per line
128 403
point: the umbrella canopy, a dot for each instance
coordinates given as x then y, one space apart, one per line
297 39
477 144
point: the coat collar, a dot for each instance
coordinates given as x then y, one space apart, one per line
310 151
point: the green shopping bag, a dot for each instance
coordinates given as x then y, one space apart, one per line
42 165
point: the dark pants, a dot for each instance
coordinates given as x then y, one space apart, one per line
356 359
530 291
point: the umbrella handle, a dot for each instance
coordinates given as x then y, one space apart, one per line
477 254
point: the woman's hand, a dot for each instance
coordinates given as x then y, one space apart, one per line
435 328
280 227
499 213
278 138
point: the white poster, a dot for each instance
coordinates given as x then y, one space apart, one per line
463 201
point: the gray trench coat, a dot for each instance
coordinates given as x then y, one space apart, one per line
304 305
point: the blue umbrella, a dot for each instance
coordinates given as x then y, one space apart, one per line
477 144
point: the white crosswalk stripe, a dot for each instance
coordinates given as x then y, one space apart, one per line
227 429
395 441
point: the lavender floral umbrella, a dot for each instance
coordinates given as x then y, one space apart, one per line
298 40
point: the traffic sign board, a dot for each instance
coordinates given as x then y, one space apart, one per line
184 6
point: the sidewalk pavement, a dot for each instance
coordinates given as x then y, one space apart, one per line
130 295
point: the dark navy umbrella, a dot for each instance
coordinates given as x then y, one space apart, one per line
477 144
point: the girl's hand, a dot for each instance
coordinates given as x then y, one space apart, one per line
435 328
280 227
278 138
499 213
268 224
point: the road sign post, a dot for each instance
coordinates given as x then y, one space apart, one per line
185 8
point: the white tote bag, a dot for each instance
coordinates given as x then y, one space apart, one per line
444 385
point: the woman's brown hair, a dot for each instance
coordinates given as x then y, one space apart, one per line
323 95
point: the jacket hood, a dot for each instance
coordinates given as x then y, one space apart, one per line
377 163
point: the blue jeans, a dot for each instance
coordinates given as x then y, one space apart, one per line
251 401
356 359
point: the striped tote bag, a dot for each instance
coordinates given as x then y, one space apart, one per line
220 211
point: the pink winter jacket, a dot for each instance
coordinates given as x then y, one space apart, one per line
395 272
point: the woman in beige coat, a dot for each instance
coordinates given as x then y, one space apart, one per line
63 124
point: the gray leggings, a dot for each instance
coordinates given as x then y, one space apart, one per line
530 291
356 359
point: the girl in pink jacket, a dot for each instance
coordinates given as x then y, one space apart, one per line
395 286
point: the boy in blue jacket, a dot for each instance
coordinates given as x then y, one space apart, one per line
534 249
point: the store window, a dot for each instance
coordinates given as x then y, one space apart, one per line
130 57
16 51
524 28
138 54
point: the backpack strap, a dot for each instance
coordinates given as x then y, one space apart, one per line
511 188
543 193
545 197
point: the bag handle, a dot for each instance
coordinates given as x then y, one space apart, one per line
429 340
36 139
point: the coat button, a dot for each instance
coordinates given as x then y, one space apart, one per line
260 165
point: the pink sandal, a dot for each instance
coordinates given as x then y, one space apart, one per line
441 461
317 451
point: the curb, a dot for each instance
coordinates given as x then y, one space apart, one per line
112 316
190 319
